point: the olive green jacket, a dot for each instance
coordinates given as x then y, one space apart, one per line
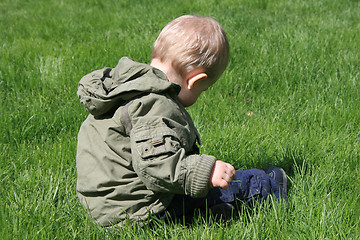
137 148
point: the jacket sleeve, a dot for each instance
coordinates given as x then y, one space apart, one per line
160 144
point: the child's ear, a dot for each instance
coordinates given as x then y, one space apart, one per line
194 78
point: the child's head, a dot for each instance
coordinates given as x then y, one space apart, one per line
189 43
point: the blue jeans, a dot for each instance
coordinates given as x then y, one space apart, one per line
248 185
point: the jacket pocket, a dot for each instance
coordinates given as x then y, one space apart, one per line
150 144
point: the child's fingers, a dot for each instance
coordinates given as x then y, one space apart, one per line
228 176
222 174
223 184
230 171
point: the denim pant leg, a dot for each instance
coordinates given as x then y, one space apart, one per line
247 185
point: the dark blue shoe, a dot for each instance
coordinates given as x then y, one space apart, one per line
279 175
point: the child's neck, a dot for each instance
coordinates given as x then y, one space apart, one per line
167 68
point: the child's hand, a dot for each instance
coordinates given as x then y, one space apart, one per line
222 174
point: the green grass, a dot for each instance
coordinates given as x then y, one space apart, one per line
290 97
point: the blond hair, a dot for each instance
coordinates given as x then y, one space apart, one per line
190 42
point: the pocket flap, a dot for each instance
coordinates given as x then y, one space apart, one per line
150 143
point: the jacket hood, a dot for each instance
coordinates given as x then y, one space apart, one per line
104 90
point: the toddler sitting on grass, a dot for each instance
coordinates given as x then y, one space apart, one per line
137 151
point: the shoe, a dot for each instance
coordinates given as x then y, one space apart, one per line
279 175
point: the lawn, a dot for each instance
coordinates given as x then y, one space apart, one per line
290 97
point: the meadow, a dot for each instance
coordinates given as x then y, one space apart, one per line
290 97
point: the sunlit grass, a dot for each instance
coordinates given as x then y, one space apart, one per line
290 97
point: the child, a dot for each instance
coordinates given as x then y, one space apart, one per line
137 150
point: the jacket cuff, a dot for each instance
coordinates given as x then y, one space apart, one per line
201 176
